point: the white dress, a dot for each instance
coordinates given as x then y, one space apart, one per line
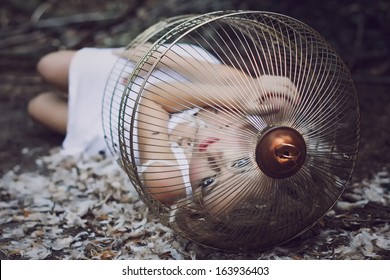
88 73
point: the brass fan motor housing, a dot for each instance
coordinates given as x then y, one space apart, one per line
280 152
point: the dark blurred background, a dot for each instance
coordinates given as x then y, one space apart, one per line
358 30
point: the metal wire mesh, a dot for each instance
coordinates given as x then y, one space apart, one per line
190 99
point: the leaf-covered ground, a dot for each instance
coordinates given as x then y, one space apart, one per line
85 208
56 208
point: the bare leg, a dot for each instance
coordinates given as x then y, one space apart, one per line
54 68
51 109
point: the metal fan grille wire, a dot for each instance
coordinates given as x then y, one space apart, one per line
238 75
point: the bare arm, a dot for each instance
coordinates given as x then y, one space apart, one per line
178 96
162 178
245 94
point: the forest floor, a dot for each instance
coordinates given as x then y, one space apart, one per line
358 226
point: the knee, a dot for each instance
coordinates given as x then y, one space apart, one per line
50 110
34 107
37 106
54 67
46 65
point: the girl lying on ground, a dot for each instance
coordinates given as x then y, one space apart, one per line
188 119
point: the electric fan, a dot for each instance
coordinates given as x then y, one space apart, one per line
239 129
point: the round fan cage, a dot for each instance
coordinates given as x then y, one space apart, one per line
239 129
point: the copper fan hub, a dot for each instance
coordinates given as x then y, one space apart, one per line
280 152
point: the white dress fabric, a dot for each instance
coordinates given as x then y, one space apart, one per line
88 73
